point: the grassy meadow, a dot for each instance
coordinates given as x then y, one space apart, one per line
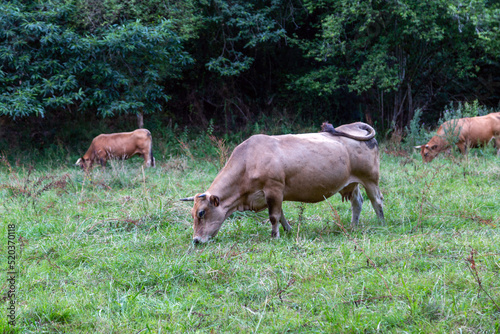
111 252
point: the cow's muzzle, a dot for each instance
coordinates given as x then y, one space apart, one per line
200 240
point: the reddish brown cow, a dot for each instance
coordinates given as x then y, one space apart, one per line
264 171
470 131
119 146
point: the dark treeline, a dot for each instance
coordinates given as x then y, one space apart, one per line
67 63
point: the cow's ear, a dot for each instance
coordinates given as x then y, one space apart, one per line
214 200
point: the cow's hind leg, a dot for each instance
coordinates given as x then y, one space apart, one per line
284 222
375 196
147 159
496 143
352 193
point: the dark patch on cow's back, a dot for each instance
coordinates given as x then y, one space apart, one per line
372 143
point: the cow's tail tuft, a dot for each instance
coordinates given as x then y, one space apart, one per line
153 163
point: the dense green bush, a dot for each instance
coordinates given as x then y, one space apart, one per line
48 67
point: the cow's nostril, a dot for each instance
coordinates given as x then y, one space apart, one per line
196 240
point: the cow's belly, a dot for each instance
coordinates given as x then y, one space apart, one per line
478 141
121 152
314 189
318 178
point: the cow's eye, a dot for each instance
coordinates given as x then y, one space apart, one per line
201 213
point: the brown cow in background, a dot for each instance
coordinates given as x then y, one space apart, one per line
119 146
470 131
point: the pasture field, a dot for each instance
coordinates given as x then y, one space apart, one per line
111 252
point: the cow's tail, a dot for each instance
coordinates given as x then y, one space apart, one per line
152 159
153 164
327 127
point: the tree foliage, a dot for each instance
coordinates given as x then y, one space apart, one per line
235 61
400 55
46 64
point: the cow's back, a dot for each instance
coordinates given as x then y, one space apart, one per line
309 166
471 130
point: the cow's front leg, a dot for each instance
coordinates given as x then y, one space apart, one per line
464 147
356 205
352 193
274 201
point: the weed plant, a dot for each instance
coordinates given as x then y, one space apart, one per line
416 133
110 252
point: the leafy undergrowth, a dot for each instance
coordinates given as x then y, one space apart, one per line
111 252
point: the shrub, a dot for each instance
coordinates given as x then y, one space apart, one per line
416 133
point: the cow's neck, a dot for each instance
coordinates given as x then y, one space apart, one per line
440 141
227 186
229 202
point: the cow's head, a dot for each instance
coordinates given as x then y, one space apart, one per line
428 152
84 163
207 216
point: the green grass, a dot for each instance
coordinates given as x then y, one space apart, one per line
111 252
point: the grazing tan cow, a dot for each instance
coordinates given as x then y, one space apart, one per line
119 146
264 171
470 132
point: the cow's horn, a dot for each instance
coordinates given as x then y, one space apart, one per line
187 199
417 147
78 162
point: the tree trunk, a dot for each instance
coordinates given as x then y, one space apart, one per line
410 105
140 119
